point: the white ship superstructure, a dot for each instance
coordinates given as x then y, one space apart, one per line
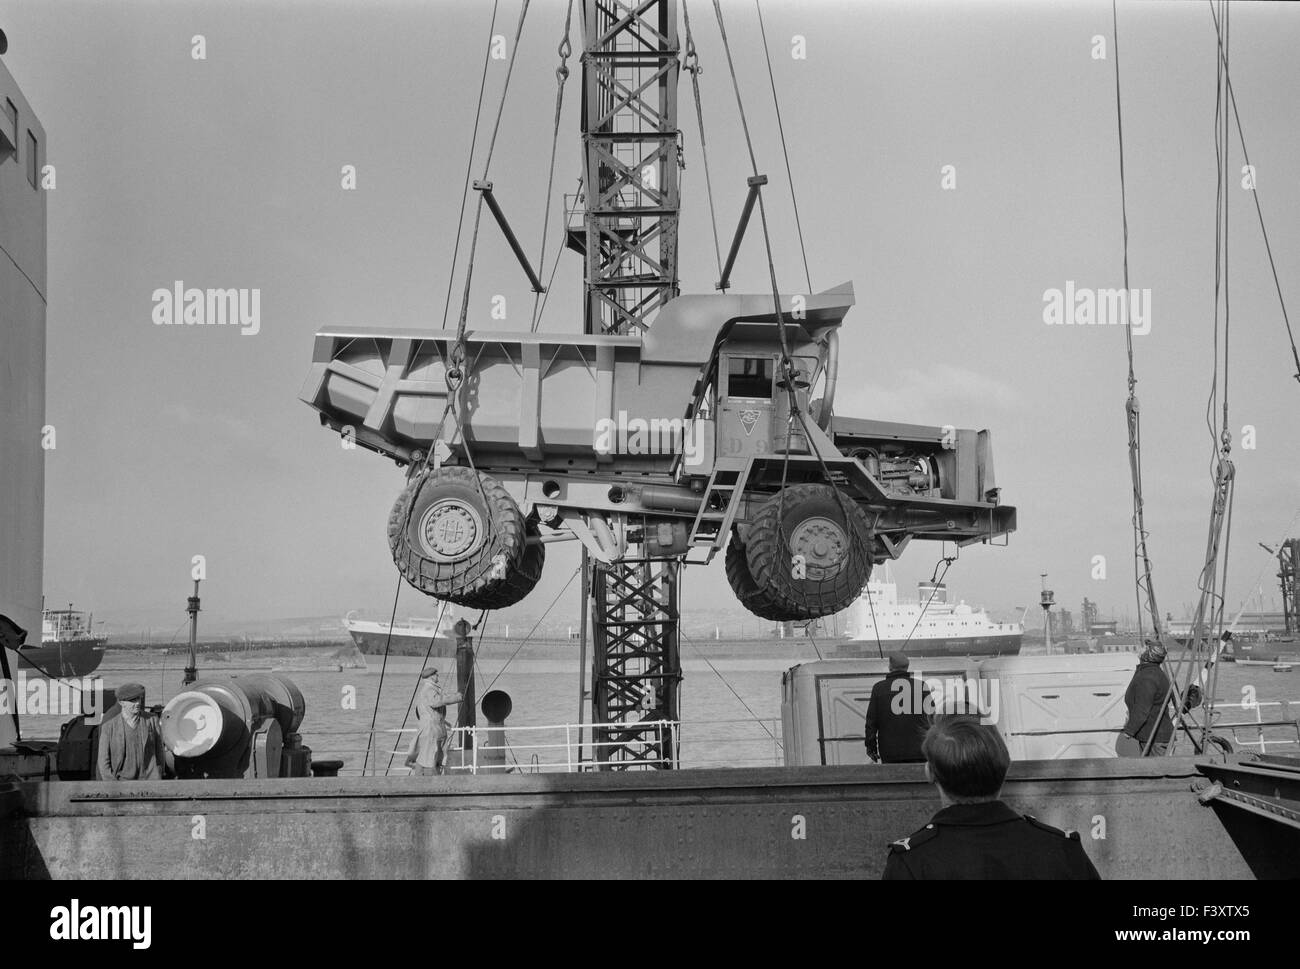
929 625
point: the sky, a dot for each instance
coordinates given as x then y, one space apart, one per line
226 172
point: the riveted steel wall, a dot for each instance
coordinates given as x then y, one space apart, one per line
1138 819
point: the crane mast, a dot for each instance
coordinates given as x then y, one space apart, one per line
630 145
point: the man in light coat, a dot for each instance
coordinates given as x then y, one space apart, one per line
428 755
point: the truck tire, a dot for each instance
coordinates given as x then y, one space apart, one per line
449 542
809 520
520 581
744 586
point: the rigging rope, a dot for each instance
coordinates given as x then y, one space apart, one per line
379 692
747 707
555 263
458 355
1254 191
786 363
692 66
469 163
1141 558
524 642
784 151
561 75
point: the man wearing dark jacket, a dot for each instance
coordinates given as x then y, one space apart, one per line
976 835
1147 697
898 716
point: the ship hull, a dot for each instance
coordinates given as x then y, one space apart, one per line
1266 652
1004 645
375 641
66 659
611 824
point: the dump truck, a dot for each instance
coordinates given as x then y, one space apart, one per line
681 439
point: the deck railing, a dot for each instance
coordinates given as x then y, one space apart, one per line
559 748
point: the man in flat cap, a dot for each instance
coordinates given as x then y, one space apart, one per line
130 746
428 754
898 716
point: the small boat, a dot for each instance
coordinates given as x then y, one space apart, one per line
1281 667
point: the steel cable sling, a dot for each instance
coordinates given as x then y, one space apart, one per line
692 66
1141 558
561 75
788 376
1254 191
453 371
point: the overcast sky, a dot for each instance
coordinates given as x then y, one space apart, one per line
225 172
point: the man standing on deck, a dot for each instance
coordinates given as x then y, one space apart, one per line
976 836
898 716
428 755
1147 698
130 745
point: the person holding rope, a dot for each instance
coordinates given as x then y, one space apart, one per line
428 754
1147 699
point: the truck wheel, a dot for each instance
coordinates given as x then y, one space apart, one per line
520 581
746 589
801 531
449 542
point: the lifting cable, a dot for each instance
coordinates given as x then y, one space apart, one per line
524 641
786 362
1141 558
555 264
456 363
934 588
781 128
692 66
725 683
1211 583
458 355
469 162
1254 191
379 692
561 75
788 375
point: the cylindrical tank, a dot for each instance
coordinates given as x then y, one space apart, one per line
216 717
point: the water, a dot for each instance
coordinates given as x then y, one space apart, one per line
731 716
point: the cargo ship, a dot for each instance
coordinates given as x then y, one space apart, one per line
68 646
409 638
880 622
